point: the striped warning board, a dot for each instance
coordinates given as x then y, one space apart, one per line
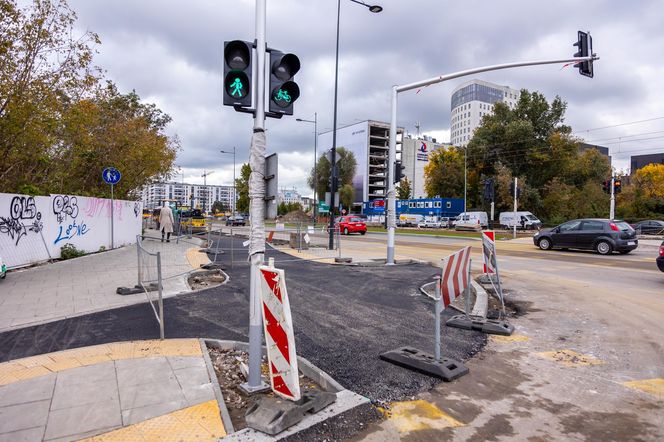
489 251
279 338
455 275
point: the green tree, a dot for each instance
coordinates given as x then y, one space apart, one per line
347 196
644 197
404 190
242 189
346 167
443 174
218 207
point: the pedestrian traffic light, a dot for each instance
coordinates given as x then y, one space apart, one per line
617 186
283 90
237 73
489 189
606 186
585 44
398 171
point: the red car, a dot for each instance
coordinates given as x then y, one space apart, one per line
351 224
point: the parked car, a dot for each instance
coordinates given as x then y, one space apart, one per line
523 220
467 218
351 224
429 223
410 219
237 220
602 235
660 258
649 227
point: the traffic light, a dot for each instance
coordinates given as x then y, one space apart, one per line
606 186
237 73
283 90
585 44
617 186
489 189
398 171
518 190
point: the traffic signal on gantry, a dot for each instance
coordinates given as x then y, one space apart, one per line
283 89
237 73
585 45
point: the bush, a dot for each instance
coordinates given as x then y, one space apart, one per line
69 251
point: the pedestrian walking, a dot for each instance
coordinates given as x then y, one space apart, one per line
166 222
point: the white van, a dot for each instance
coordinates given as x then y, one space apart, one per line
466 218
522 220
410 219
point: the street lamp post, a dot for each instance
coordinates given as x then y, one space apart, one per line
315 121
333 167
234 194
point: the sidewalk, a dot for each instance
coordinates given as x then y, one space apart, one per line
88 284
143 390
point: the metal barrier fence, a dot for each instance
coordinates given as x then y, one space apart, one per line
150 279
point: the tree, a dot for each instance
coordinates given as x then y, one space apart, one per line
404 189
242 189
347 195
443 174
644 197
346 167
219 207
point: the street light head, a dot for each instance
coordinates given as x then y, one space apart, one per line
375 9
299 119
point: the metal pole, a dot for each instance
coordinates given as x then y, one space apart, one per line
112 216
161 299
391 197
438 299
315 168
516 180
465 180
234 194
232 251
430 81
333 166
612 209
138 252
467 294
257 215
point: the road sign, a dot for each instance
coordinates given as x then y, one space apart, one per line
322 207
489 251
111 175
455 278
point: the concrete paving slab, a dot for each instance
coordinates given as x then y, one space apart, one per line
67 396
139 414
141 395
143 371
89 374
30 390
23 416
83 418
28 435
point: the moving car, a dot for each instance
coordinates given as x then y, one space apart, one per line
602 235
429 223
649 227
237 220
523 220
660 258
351 224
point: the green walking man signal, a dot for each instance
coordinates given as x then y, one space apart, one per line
237 87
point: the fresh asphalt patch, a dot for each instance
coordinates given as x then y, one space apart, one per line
344 317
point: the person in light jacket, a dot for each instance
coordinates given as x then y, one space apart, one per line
166 222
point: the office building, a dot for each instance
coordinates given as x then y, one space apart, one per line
414 157
473 100
638 161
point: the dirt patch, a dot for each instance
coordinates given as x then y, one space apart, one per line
227 366
206 279
606 426
513 308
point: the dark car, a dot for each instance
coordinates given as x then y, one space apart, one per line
649 227
602 235
237 220
660 258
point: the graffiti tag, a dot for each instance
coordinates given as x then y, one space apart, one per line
64 206
72 231
137 208
23 218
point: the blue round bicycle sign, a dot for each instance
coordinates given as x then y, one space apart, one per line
111 175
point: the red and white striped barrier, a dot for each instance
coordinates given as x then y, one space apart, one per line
279 337
489 251
455 275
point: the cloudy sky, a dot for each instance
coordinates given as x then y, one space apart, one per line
170 52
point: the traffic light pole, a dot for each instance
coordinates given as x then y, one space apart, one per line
612 209
516 192
391 202
257 211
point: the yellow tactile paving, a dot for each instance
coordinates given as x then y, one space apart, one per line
570 358
196 258
499 339
652 386
201 422
31 367
409 416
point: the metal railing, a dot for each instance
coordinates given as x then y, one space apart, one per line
150 279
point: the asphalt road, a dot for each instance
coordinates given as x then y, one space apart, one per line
344 318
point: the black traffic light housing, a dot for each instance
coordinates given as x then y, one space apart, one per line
606 186
518 191
283 89
489 189
398 172
238 67
585 44
617 186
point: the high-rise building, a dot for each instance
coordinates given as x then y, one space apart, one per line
414 157
639 161
470 102
187 195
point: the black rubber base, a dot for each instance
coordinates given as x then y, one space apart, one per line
272 415
489 326
136 289
408 357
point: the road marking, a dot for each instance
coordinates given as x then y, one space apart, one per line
498 339
201 422
652 386
409 416
570 358
34 366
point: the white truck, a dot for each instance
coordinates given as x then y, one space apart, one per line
523 220
409 219
471 219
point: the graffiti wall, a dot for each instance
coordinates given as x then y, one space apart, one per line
33 229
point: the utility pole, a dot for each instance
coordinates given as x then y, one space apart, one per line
612 209
516 191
